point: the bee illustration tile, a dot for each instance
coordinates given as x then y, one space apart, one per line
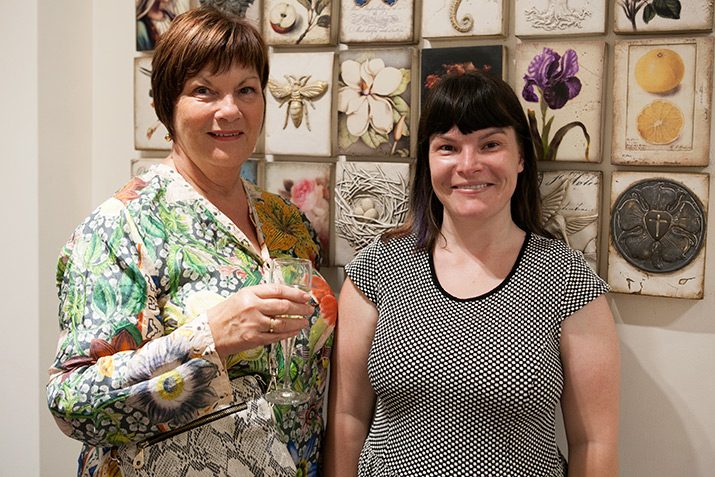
369 21
462 18
247 9
437 62
559 17
656 16
560 85
375 120
298 22
571 203
662 105
149 132
307 185
658 233
298 104
370 199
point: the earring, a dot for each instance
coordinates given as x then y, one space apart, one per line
167 138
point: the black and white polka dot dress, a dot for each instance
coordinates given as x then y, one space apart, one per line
468 387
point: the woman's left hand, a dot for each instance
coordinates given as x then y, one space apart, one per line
257 316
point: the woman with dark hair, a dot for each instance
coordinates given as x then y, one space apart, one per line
166 320
461 331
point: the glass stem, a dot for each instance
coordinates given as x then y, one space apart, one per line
287 352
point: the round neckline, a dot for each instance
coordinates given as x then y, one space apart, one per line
496 289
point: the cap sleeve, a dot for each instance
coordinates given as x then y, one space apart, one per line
582 286
364 270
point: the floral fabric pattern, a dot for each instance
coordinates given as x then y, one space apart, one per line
135 355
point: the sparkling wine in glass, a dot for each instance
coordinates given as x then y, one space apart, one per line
298 273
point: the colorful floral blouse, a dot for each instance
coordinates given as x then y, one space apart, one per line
135 355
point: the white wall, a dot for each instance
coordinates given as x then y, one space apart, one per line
66 137
19 241
65 98
667 356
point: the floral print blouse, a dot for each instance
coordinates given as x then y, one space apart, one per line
135 355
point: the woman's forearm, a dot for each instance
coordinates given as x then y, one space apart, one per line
593 459
345 438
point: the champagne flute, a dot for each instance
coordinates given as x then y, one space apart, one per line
298 273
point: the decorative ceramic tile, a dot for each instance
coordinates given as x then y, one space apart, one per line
376 121
298 22
149 132
658 232
248 9
662 105
571 204
560 85
298 104
140 166
370 21
462 18
559 17
153 17
655 16
250 170
436 62
370 199
307 185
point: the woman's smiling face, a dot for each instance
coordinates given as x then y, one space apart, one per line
218 116
474 175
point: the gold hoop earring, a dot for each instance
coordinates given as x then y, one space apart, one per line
167 137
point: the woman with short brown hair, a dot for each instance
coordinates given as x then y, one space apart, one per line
166 318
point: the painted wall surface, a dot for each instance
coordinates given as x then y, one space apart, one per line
67 142
65 97
19 452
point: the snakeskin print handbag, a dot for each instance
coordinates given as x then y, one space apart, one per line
239 440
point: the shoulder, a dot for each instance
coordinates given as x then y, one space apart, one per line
388 248
378 266
380 253
555 263
133 195
552 261
140 194
552 251
103 232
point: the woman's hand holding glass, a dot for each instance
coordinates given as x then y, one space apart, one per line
296 273
257 316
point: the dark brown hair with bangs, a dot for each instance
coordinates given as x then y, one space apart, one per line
470 101
204 36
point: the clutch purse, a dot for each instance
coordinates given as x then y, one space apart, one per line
239 440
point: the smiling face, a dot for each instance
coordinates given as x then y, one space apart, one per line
474 175
218 117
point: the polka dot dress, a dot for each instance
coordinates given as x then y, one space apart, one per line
468 387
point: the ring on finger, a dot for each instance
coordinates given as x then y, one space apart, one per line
271 328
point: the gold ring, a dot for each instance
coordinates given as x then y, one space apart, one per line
270 329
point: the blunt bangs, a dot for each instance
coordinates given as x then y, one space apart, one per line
471 103
220 46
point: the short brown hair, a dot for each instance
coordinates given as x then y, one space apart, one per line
204 36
